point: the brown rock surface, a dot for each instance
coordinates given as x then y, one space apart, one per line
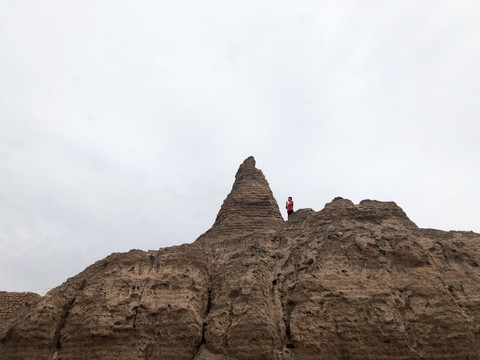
12 304
347 282
249 207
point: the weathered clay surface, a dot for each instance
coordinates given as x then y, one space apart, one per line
249 207
12 304
348 282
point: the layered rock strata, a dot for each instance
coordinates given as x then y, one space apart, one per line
347 282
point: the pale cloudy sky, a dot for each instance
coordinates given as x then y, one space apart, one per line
122 123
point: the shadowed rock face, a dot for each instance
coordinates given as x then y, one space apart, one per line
347 282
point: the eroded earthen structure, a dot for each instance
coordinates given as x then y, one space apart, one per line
12 304
347 282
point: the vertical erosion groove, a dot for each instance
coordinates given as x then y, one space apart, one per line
209 303
57 343
288 313
204 325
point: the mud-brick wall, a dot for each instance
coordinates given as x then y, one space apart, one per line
13 302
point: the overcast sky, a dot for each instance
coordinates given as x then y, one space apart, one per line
122 123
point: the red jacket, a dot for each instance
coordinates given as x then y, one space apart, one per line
289 206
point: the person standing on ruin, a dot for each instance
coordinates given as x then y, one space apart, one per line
289 206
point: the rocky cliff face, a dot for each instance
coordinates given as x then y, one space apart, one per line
348 282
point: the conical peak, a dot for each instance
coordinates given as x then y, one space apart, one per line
248 163
249 207
247 166
247 172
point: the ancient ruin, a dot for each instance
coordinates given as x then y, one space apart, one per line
347 282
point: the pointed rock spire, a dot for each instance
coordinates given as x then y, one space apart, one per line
249 207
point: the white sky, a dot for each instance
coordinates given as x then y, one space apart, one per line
122 123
